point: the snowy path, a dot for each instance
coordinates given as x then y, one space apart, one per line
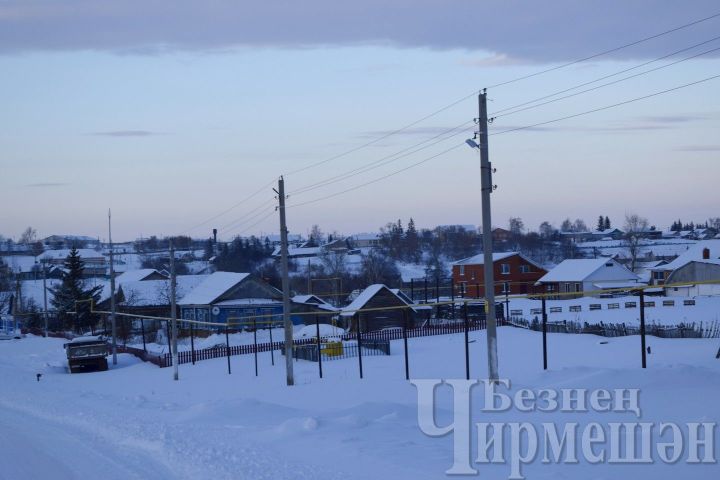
133 421
37 446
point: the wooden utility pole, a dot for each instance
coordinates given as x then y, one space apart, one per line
112 292
173 311
487 188
44 265
285 284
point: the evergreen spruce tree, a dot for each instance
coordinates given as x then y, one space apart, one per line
412 242
601 224
607 223
71 295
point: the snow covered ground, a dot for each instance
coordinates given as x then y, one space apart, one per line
134 421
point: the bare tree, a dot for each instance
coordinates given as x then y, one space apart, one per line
379 268
635 227
516 225
28 236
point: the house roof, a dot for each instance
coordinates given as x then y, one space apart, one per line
575 270
144 293
607 231
312 299
135 275
694 253
63 253
364 297
480 259
20 263
212 287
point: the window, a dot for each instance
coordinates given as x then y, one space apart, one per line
505 287
525 269
555 309
668 303
516 313
688 302
595 306
472 275
613 306
505 268
658 275
462 269
576 308
550 287
630 304
578 287
609 264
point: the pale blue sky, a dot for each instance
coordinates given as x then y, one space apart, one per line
169 139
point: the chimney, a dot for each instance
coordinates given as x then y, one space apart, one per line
706 253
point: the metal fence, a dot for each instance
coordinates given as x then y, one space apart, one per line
340 350
219 351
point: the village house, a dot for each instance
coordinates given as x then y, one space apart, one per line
700 264
514 273
377 296
577 276
234 299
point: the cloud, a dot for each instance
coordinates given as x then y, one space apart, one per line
47 184
698 148
127 133
527 30
671 119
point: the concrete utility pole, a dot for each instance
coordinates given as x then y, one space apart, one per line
173 311
488 265
285 284
112 291
44 265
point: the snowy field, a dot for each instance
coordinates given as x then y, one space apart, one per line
134 421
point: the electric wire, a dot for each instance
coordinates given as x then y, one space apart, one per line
530 107
600 54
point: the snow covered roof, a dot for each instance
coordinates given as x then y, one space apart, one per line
480 259
365 236
213 286
63 253
694 254
311 299
575 270
20 263
249 301
607 231
135 275
363 298
143 293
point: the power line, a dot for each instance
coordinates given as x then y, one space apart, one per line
243 201
600 54
249 216
382 137
530 107
381 162
426 159
257 222
607 106
384 160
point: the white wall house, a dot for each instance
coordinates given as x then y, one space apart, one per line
588 275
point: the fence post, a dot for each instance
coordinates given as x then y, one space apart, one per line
452 298
255 343
272 347
227 348
544 333
142 330
467 341
359 345
426 291
319 347
192 343
404 331
642 327
507 300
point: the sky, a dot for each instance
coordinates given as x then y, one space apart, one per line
180 116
